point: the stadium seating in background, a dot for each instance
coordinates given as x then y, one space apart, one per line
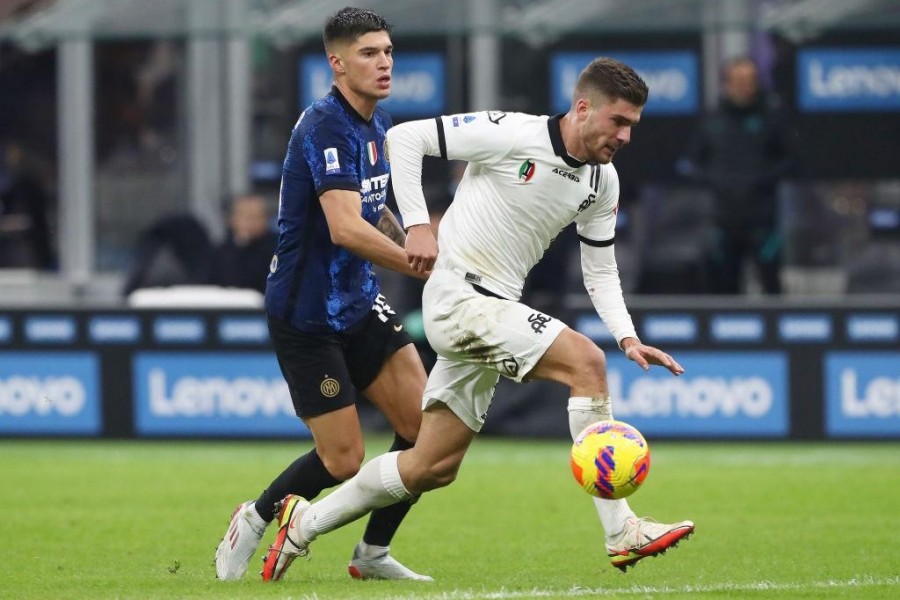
676 239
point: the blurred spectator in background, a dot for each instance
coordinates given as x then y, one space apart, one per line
175 250
24 203
742 151
242 260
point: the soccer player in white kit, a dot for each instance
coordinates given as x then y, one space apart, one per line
527 179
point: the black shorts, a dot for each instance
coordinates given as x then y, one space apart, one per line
324 371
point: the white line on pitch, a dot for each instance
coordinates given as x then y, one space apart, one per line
503 594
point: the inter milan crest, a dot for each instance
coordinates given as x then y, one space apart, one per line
329 387
372 150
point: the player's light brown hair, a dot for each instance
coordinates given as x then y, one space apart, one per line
612 80
349 23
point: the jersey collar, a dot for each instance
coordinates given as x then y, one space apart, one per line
347 106
556 140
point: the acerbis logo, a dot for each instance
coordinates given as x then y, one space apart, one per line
567 175
511 368
526 171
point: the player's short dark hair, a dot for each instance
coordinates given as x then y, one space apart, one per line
349 23
613 80
736 61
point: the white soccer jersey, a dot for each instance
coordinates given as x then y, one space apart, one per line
519 191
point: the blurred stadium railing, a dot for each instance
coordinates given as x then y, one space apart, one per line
124 111
129 110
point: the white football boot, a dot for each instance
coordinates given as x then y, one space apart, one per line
645 537
240 542
381 566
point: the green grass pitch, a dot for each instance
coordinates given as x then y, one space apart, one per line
101 519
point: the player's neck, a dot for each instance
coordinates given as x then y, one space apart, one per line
569 137
365 106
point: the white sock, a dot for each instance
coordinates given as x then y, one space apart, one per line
584 411
613 515
372 551
253 517
377 484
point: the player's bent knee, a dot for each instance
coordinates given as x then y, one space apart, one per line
588 365
441 474
423 478
409 429
344 466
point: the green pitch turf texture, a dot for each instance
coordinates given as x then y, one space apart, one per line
100 519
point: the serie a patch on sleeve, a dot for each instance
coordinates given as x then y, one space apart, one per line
332 164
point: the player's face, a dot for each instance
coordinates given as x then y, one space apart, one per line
605 127
742 83
366 64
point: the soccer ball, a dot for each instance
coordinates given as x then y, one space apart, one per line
610 459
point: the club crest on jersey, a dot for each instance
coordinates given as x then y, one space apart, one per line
372 151
526 171
332 164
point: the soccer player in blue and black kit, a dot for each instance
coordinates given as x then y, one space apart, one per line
333 332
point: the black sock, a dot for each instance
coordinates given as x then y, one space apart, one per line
307 477
383 523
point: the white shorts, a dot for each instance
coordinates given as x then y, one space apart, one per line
477 339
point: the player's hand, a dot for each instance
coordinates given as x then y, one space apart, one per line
421 248
645 356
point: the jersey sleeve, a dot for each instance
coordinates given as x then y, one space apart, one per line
478 137
332 156
482 137
597 225
596 231
407 144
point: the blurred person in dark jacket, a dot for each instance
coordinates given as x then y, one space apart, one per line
242 260
24 204
174 250
742 151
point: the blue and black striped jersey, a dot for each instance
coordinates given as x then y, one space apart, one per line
314 285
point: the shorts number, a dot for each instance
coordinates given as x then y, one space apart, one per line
382 308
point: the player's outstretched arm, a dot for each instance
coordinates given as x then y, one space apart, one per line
421 248
349 230
645 356
390 226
